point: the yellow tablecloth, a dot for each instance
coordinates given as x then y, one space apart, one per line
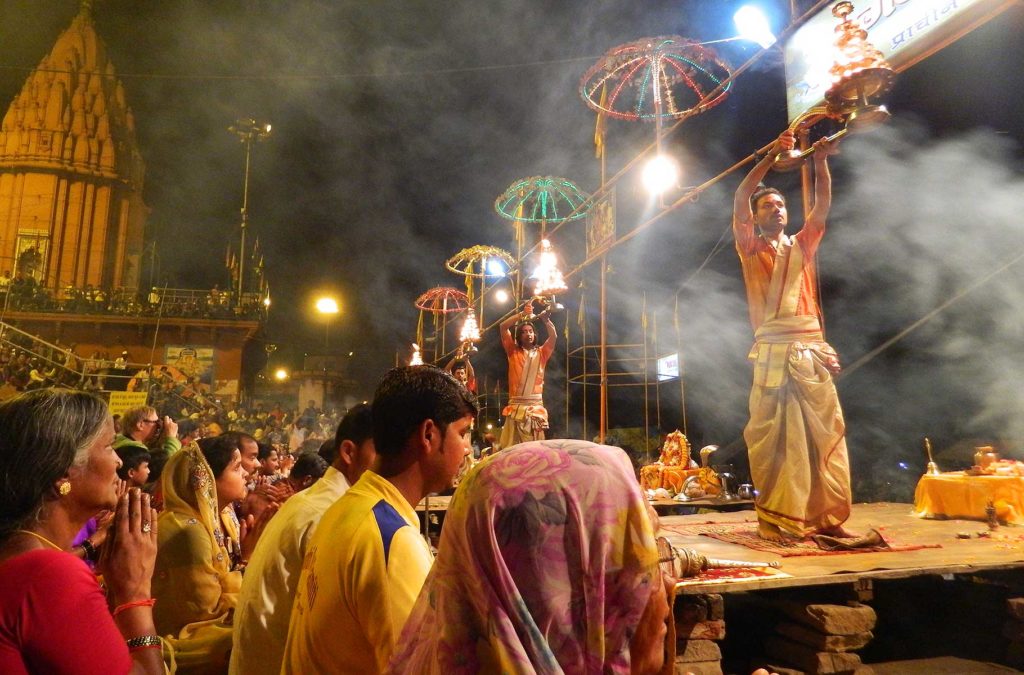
957 495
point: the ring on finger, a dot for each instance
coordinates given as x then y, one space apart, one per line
146 527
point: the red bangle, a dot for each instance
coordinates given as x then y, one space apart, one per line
138 603
135 649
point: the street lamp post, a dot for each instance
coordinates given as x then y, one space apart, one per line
327 306
248 131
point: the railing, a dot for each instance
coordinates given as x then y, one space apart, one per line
168 302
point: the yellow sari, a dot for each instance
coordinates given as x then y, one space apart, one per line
195 587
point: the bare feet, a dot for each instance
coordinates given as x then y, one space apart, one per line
838 531
768 531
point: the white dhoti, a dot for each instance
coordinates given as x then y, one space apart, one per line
796 434
526 418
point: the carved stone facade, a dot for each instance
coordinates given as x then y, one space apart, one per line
71 175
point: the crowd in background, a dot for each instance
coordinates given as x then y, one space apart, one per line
24 293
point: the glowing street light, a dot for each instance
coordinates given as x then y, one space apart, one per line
328 307
501 295
753 25
660 174
280 374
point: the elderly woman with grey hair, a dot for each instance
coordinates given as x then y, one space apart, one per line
57 470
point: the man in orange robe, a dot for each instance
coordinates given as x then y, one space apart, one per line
796 434
526 418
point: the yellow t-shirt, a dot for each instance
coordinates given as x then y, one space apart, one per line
363 570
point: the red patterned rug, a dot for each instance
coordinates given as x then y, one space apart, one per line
744 533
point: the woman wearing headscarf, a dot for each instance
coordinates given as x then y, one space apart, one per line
547 564
58 470
200 560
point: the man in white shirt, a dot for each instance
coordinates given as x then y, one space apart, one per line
268 590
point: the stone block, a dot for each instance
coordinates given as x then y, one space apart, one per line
697 650
1015 606
847 619
822 641
1013 630
698 667
702 630
1015 655
810 660
697 608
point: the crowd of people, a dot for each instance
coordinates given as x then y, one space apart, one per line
232 553
23 292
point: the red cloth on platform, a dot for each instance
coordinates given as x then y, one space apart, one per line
54 618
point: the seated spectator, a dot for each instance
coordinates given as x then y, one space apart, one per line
268 590
547 563
57 469
308 469
367 562
202 552
134 465
270 464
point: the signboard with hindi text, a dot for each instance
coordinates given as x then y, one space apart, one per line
121 401
905 31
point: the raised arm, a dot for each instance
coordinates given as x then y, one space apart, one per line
508 340
815 223
548 348
742 215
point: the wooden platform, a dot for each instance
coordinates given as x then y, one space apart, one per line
955 556
662 506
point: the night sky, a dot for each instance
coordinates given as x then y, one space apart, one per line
397 124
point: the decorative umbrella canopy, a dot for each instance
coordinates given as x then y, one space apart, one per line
655 78
443 300
471 262
542 199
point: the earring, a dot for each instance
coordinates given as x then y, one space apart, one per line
64 487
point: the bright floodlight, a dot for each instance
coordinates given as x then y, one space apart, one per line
660 174
281 374
327 306
495 267
752 25
501 295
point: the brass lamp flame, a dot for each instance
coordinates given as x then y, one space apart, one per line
859 72
469 335
548 275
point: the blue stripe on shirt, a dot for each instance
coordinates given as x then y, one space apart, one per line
388 522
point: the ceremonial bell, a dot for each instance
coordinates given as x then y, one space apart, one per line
933 468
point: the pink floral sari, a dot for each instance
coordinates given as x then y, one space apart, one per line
545 565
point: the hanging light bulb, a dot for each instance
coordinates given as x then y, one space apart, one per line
660 174
752 25
416 359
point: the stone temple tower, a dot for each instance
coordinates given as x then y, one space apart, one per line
71 175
